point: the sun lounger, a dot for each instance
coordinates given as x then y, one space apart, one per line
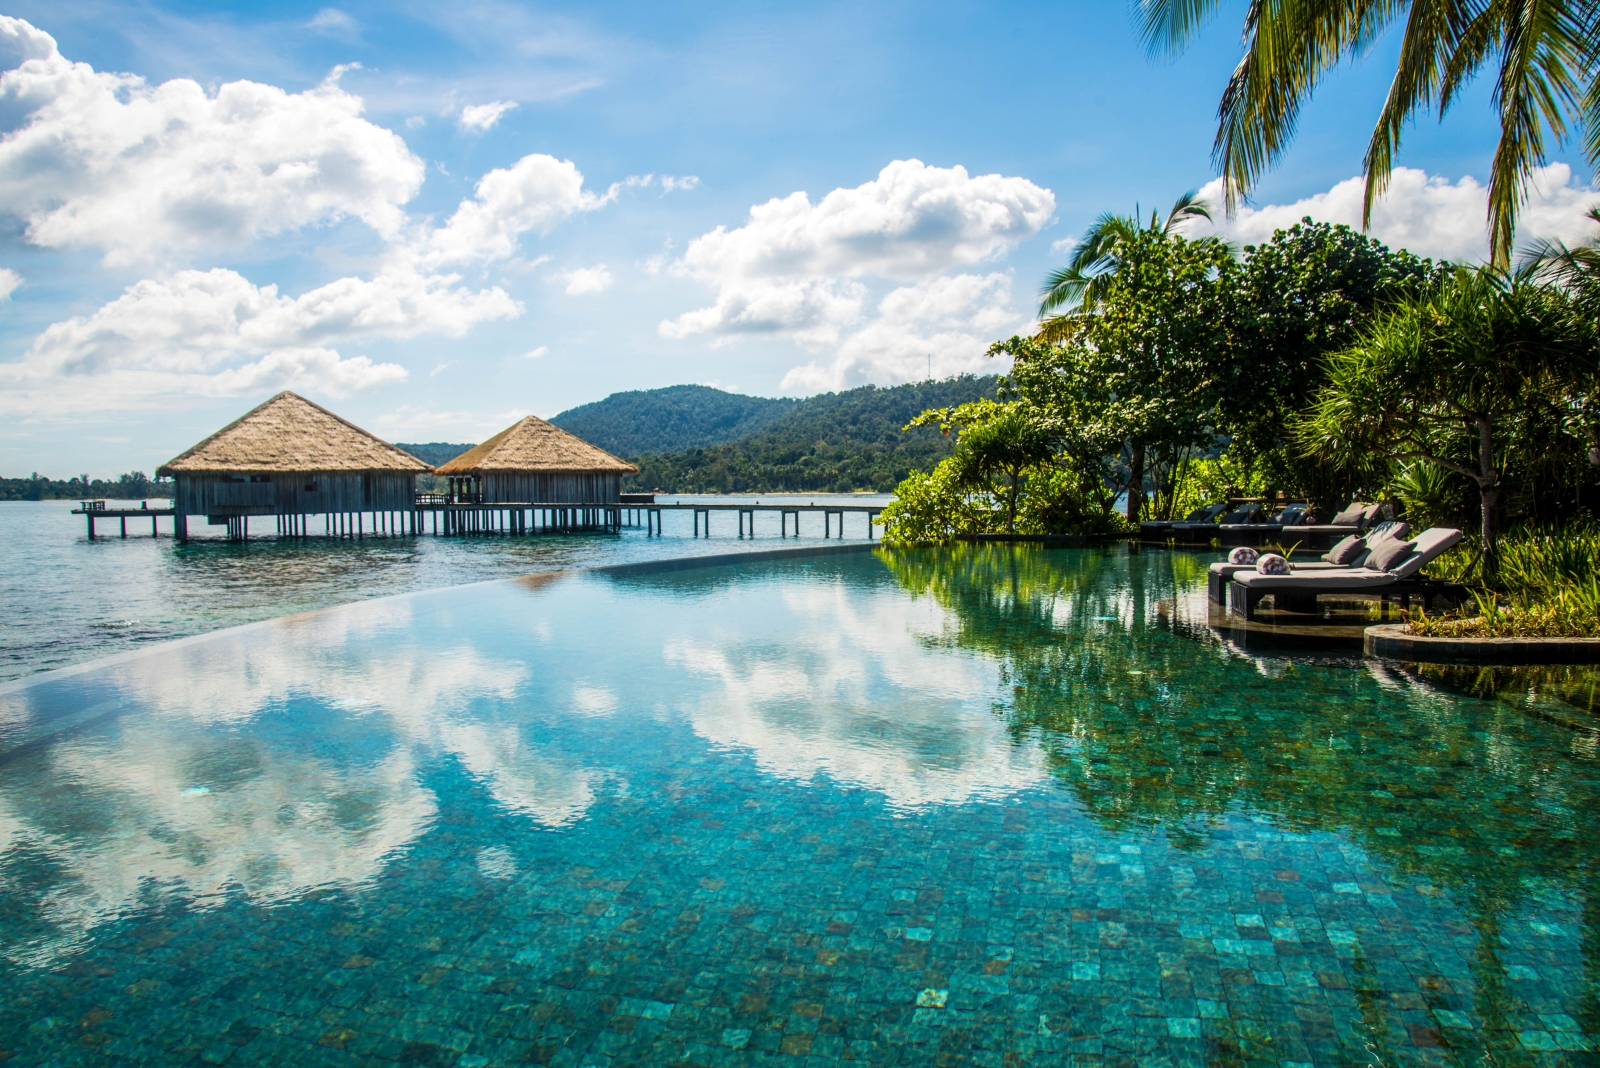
1221 573
1299 591
1205 531
1204 515
1251 531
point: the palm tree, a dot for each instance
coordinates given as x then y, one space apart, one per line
1080 286
1546 54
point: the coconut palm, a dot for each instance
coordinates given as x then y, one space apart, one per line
1080 286
1545 51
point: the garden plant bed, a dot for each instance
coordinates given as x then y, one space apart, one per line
1393 642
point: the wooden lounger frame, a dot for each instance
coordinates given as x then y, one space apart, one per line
1242 599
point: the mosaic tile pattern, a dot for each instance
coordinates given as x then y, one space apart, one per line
864 811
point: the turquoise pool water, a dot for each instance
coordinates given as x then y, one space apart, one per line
991 807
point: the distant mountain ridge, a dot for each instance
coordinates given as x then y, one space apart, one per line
696 439
671 419
833 442
434 453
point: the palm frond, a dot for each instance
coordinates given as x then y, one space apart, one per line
1169 25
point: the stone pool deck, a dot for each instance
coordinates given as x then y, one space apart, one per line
1392 642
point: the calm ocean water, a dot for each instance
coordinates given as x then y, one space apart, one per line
65 599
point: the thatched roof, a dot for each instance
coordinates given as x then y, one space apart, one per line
533 445
290 434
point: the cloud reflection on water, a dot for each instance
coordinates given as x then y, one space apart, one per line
843 686
296 755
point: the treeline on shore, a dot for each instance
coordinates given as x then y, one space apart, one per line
133 486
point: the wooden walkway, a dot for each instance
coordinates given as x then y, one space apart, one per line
445 518
649 515
92 513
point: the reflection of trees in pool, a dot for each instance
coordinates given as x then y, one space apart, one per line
1153 730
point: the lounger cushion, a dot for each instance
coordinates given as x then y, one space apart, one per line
1429 546
1332 580
1227 570
1346 551
1389 553
1350 517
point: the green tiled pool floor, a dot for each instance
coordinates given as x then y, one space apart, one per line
992 807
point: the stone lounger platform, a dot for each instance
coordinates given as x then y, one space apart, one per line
1390 641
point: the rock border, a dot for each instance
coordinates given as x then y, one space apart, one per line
1390 641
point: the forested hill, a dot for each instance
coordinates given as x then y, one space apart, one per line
832 442
671 419
434 452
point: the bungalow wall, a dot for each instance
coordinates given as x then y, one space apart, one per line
551 487
304 493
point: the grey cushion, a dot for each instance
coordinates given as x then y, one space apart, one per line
1430 545
1388 553
1332 580
1346 551
1350 517
1227 570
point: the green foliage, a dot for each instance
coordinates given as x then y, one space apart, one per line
996 441
836 442
1547 585
1292 302
133 486
1432 496
933 509
1463 379
1203 482
1004 476
1135 366
1080 287
672 419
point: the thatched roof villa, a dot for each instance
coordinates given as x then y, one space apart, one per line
290 457
532 461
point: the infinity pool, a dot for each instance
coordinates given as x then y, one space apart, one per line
997 807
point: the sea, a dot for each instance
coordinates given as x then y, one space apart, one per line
65 599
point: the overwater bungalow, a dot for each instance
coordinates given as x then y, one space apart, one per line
292 459
534 462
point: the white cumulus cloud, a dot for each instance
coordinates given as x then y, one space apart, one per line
216 333
90 159
9 281
587 280
940 327
1428 215
805 271
911 221
532 195
481 118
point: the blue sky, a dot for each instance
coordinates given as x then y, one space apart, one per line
435 218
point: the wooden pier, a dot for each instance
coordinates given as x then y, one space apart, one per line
442 516
93 510
650 516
